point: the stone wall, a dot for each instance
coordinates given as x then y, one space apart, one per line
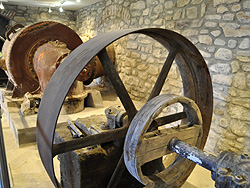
30 15
219 29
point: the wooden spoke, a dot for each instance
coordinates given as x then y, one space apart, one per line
117 83
170 118
153 147
164 73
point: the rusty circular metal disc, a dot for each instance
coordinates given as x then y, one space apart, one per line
25 43
196 80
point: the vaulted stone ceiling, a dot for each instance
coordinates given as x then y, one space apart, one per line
66 4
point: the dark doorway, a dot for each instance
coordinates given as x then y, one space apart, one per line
3 23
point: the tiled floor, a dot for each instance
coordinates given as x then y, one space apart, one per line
26 170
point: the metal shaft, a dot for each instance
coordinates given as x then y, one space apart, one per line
193 154
75 129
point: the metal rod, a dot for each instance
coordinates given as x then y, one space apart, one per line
193 154
74 135
75 129
83 127
90 140
4 175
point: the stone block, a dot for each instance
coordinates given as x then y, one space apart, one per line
243 94
228 17
94 99
169 5
224 122
223 54
22 8
238 112
236 7
143 75
182 3
241 101
147 21
205 39
222 9
192 12
246 68
243 17
19 19
246 5
158 9
221 68
232 43
235 30
213 17
203 9
218 2
153 70
216 33
139 5
243 56
190 32
196 23
132 45
142 67
235 66
211 48
245 44
219 42
204 31
177 14
211 24
195 2
158 22
239 80
239 128
222 79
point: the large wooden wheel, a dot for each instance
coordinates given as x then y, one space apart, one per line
196 86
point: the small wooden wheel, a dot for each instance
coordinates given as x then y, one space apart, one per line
142 146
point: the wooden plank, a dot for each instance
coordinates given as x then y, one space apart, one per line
157 146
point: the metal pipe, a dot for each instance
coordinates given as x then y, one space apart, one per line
4 175
193 154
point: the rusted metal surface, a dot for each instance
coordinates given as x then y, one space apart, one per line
74 102
46 60
94 68
26 44
196 85
19 51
